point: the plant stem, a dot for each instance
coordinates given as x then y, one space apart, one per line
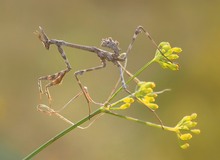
61 134
172 129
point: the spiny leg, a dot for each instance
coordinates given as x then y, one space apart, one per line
138 30
40 87
54 80
44 108
122 69
122 80
85 92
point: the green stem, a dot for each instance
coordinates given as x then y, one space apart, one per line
172 129
131 78
61 134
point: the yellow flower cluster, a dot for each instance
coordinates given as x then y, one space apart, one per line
185 125
166 54
146 95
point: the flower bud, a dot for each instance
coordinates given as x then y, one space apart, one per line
148 99
173 56
185 137
176 49
195 131
166 47
146 84
191 124
128 100
186 118
193 116
124 106
152 94
153 106
185 146
173 66
185 127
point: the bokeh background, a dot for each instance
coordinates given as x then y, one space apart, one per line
191 25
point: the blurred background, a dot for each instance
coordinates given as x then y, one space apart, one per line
191 25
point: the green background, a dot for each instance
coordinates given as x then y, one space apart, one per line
191 25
